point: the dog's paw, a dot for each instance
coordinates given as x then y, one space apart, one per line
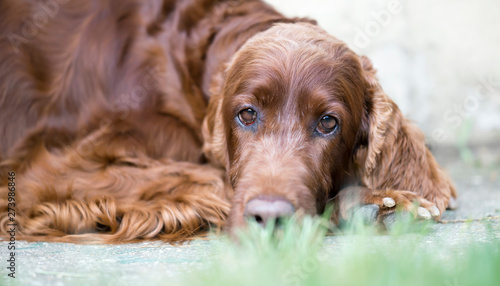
381 206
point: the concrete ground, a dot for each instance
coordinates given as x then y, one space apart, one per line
152 262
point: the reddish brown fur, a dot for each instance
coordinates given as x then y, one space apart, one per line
110 112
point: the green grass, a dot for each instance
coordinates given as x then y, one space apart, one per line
297 255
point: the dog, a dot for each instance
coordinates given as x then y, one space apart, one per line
125 120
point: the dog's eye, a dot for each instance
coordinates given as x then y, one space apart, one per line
327 124
247 116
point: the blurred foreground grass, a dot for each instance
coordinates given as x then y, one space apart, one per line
296 255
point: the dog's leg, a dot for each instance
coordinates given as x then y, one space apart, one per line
124 202
380 205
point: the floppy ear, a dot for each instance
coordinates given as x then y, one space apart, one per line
214 137
396 156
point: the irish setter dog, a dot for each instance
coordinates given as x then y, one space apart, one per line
157 119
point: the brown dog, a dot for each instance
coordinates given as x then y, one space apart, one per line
111 110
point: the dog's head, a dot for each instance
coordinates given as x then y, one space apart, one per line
285 120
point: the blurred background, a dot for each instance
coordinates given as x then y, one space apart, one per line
438 60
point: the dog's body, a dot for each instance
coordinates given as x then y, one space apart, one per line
111 110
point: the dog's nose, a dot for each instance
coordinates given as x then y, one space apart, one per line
263 210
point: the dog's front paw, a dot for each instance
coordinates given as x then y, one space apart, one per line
381 206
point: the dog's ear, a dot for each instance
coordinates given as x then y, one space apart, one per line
396 156
214 136
379 114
